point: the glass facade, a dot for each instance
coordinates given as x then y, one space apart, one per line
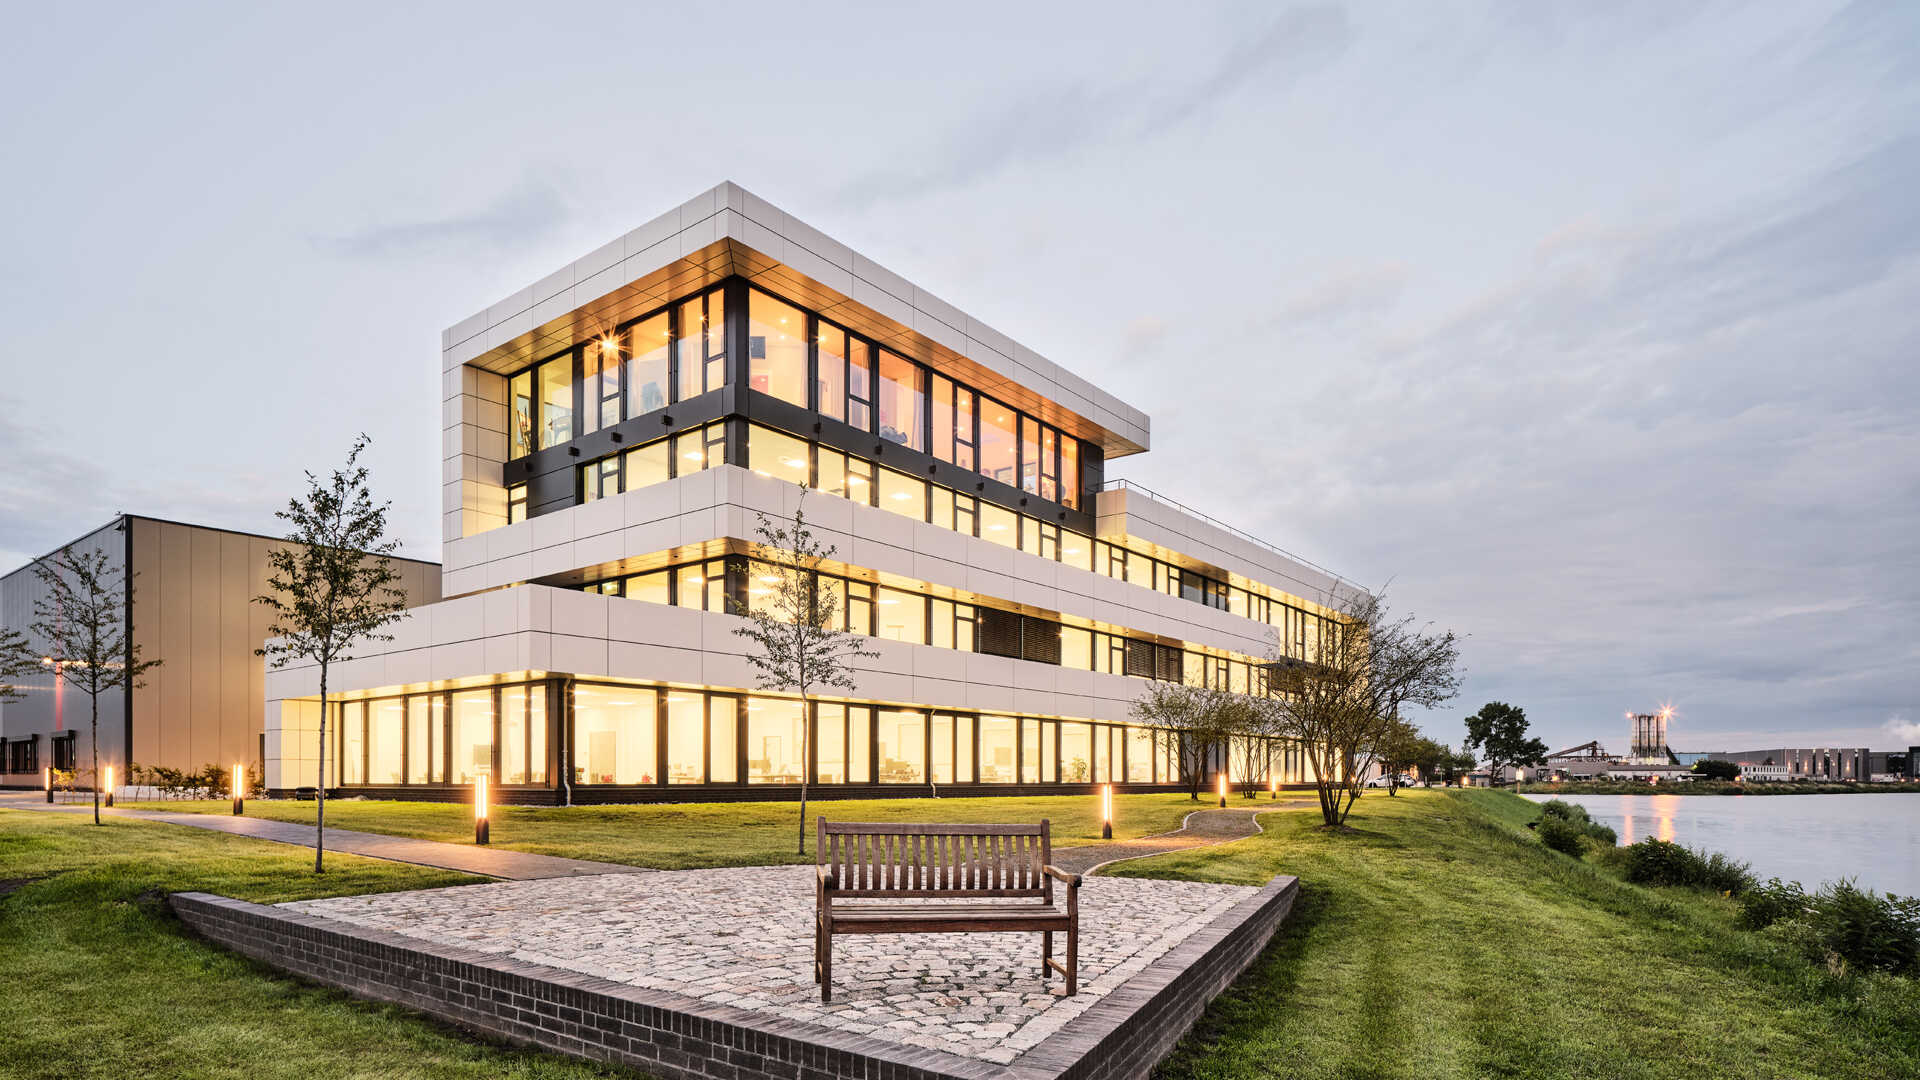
651 737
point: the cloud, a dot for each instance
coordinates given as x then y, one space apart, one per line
520 217
1054 122
1904 732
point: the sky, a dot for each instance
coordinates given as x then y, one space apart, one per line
1588 332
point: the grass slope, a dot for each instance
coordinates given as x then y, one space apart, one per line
677 836
1440 940
101 981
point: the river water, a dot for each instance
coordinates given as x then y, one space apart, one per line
1812 839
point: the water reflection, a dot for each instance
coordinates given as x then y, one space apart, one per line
1811 839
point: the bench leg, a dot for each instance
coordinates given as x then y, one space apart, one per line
1073 959
1046 955
824 969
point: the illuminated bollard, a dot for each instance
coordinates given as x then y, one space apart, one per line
1106 811
239 788
480 809
46 775
1222 774
109 785
1273 786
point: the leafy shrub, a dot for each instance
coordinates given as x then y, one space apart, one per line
1661 862
1866 930
1561 835
1603 834
1564 811
1763 905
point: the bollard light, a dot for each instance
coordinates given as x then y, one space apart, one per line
1106 811
109 785
1222 774
239 787
1273 786
480 809
46 775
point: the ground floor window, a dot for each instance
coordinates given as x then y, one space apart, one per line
607 734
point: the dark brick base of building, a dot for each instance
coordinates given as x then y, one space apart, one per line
1125 1035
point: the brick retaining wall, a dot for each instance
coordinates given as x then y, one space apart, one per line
1123 1036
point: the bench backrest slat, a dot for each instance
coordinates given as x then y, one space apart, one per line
918 859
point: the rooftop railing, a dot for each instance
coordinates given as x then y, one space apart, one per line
1129 485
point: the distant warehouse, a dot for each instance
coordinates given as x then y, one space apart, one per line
192 610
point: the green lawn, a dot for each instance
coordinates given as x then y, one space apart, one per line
680 835
1440 940
101 981
1436 939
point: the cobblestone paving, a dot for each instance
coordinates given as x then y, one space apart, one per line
744 937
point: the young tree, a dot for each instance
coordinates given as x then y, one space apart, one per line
1343 703
1455 764
1499 732
1202 719
333 587
83 619
796 627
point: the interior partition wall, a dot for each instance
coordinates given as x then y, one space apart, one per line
567 740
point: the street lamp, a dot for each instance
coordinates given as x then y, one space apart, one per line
480 832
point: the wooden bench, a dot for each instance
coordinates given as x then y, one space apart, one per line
923 867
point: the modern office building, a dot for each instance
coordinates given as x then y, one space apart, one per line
610 435
192 609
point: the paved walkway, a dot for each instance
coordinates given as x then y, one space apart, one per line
467 858
1200 829
743 937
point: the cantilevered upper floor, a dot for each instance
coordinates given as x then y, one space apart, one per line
729 334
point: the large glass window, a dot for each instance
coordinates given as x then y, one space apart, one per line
859 744
902 402
613 735
1069 471
859 384
520 440
776 348
686 739
903 746
830 743
723 760
700 348
999 525
1139 755
1076 753
1032 753
600 383
776 741
902 616
940 768
903 494
649 464
1029 455
472 735
831 380
775 453
426 738
556 401
353 736
386 726
999 448
649 357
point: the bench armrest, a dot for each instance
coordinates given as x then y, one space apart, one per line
1071 881
825 881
